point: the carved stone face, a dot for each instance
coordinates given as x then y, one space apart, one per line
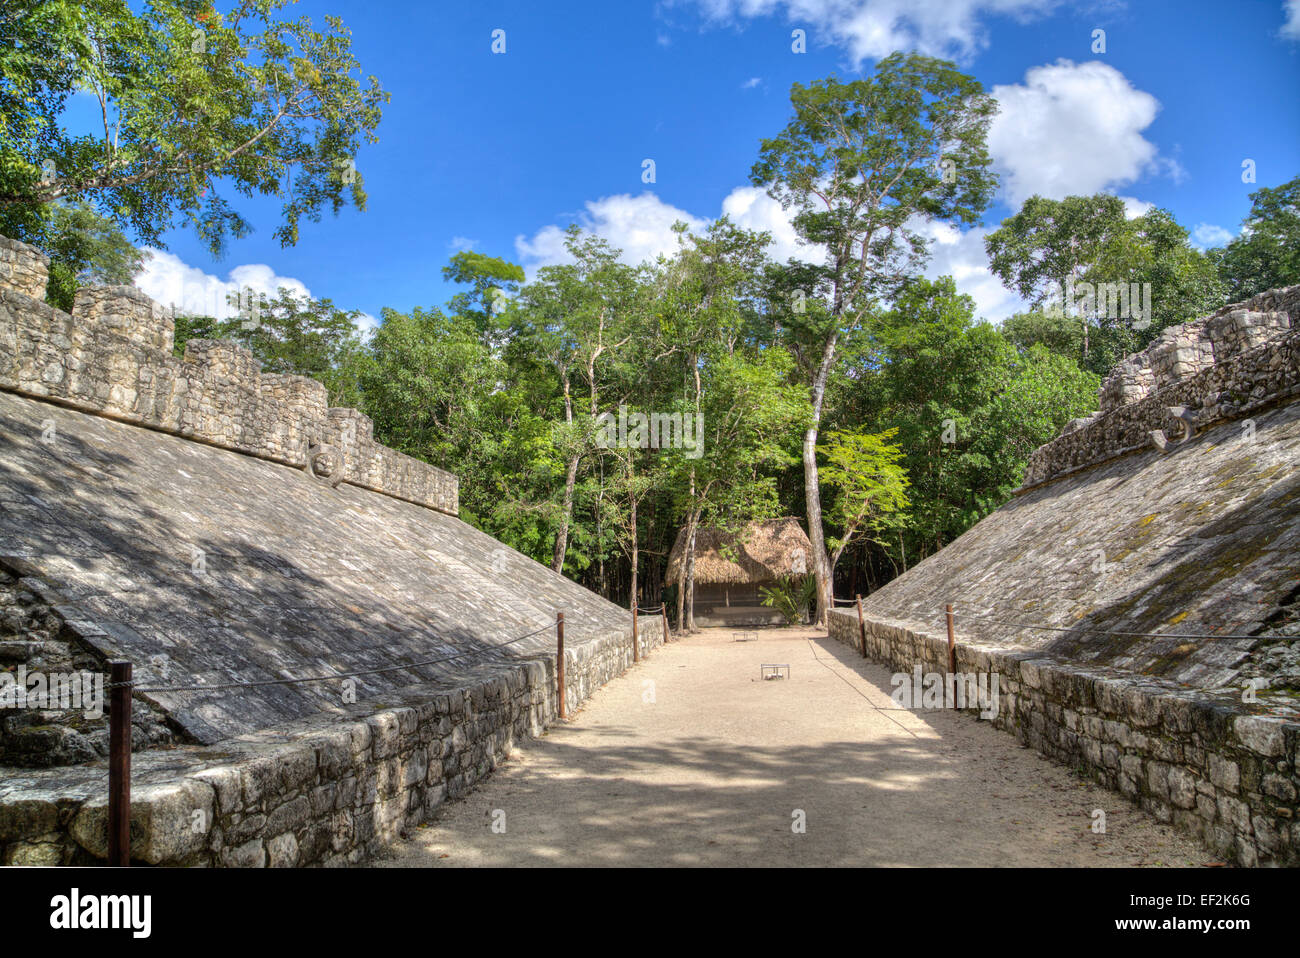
322 464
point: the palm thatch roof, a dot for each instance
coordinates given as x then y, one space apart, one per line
764 551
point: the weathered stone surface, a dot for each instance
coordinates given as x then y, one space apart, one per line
207 567
1191 772
296 579
23 268
1140 599
113 355
1233 364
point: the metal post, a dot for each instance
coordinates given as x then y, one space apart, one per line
663 611
952 651
559 664
119 764
636 645
862 628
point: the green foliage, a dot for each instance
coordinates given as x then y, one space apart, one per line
1057 333
196 106
1267 253
861 164
492 281
968 406
293 335
1049 245
864 469
85 247
792 596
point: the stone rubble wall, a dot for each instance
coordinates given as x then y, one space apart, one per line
1243 358
313 792
36 637
113 356
1205 763
23 269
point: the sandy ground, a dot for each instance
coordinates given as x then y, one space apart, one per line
690 759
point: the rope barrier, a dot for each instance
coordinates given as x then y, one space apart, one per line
335 677
1150 635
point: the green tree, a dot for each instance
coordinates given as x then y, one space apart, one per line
1267 253
1055 332
85 247
293 335
577 315
1049 250
859 163
870 483
195 105
968 405
492 282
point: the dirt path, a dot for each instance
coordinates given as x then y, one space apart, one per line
690 759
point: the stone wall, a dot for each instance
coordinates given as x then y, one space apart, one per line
23 269
315 792
35 637
234 542
113 356
1208 764
1242 359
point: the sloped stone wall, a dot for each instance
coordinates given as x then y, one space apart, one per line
1205 763
1238 361
315 792
190 550
113 356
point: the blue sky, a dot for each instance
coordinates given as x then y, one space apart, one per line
501 151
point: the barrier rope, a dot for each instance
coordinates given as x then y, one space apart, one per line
1150 635
327 678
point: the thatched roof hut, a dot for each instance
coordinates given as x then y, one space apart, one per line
763 552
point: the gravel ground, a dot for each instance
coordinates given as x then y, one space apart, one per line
690 759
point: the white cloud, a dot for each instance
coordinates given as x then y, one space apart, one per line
751 208
961 255
1073 129
641 226
462 243
871 29
1206 235
751 83
1291 28
1133 207
170 281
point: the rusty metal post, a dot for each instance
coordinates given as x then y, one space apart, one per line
663 611
636 645
952 651
862 628
559 664
119 764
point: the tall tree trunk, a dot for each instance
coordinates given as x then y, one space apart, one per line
690 579
812 489
688 558
634 550
570 481
636 599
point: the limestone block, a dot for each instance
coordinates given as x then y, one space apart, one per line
127 312
23 269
